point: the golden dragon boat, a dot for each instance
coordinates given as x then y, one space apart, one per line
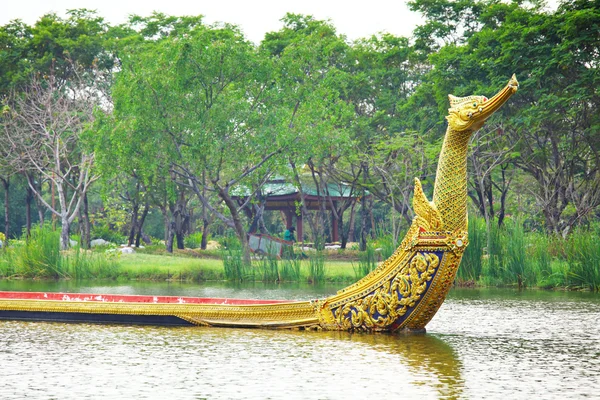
401 294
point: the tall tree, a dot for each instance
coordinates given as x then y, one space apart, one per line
43 128
194 103
309 60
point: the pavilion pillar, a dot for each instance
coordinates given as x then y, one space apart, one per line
289 219
299 228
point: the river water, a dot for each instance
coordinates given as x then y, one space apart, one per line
483 343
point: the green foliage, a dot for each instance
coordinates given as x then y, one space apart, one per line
39 255
268 269
532 259
110 235
192 100
517 265
540 259
385 244
83 264
234 267
193 240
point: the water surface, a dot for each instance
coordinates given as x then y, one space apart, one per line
493 344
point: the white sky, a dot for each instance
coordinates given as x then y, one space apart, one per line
355 19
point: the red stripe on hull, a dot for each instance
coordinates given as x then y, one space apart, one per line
111 298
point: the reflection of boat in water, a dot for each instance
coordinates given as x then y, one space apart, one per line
426 356
403 293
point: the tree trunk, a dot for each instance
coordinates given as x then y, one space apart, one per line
140 224
205 221
170 235
6 184
373 228
363 227
204 242
85 223
28 200
343 233
134 222
180 239
351 223
237 223
364 230
64 232
182 218
165 213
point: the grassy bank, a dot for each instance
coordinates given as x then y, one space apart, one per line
162 267
508 256
39 257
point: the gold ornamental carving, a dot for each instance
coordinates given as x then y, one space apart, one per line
392 300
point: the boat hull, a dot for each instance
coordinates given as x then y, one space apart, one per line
403 293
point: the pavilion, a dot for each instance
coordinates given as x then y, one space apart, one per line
281 195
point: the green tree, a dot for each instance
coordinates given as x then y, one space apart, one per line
193 104
310 60
551 126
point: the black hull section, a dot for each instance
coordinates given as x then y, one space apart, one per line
156 320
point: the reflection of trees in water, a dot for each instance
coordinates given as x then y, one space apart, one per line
423 354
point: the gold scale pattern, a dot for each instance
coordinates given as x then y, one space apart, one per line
396 294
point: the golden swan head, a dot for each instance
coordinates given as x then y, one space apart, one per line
470 113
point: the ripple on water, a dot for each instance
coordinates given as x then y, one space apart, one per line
493 344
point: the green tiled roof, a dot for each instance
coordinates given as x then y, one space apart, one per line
282 188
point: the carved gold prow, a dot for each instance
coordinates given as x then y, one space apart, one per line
427 215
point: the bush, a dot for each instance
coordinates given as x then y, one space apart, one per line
104 232
193 241
39 256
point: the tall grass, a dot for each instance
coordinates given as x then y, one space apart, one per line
234 267
472 262
512 256
583 257
367 261
539 259
232 256
494 256
316 267
83 264
386 246
290 269
516 267
38 256
269 269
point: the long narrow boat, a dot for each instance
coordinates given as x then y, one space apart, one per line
402 294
